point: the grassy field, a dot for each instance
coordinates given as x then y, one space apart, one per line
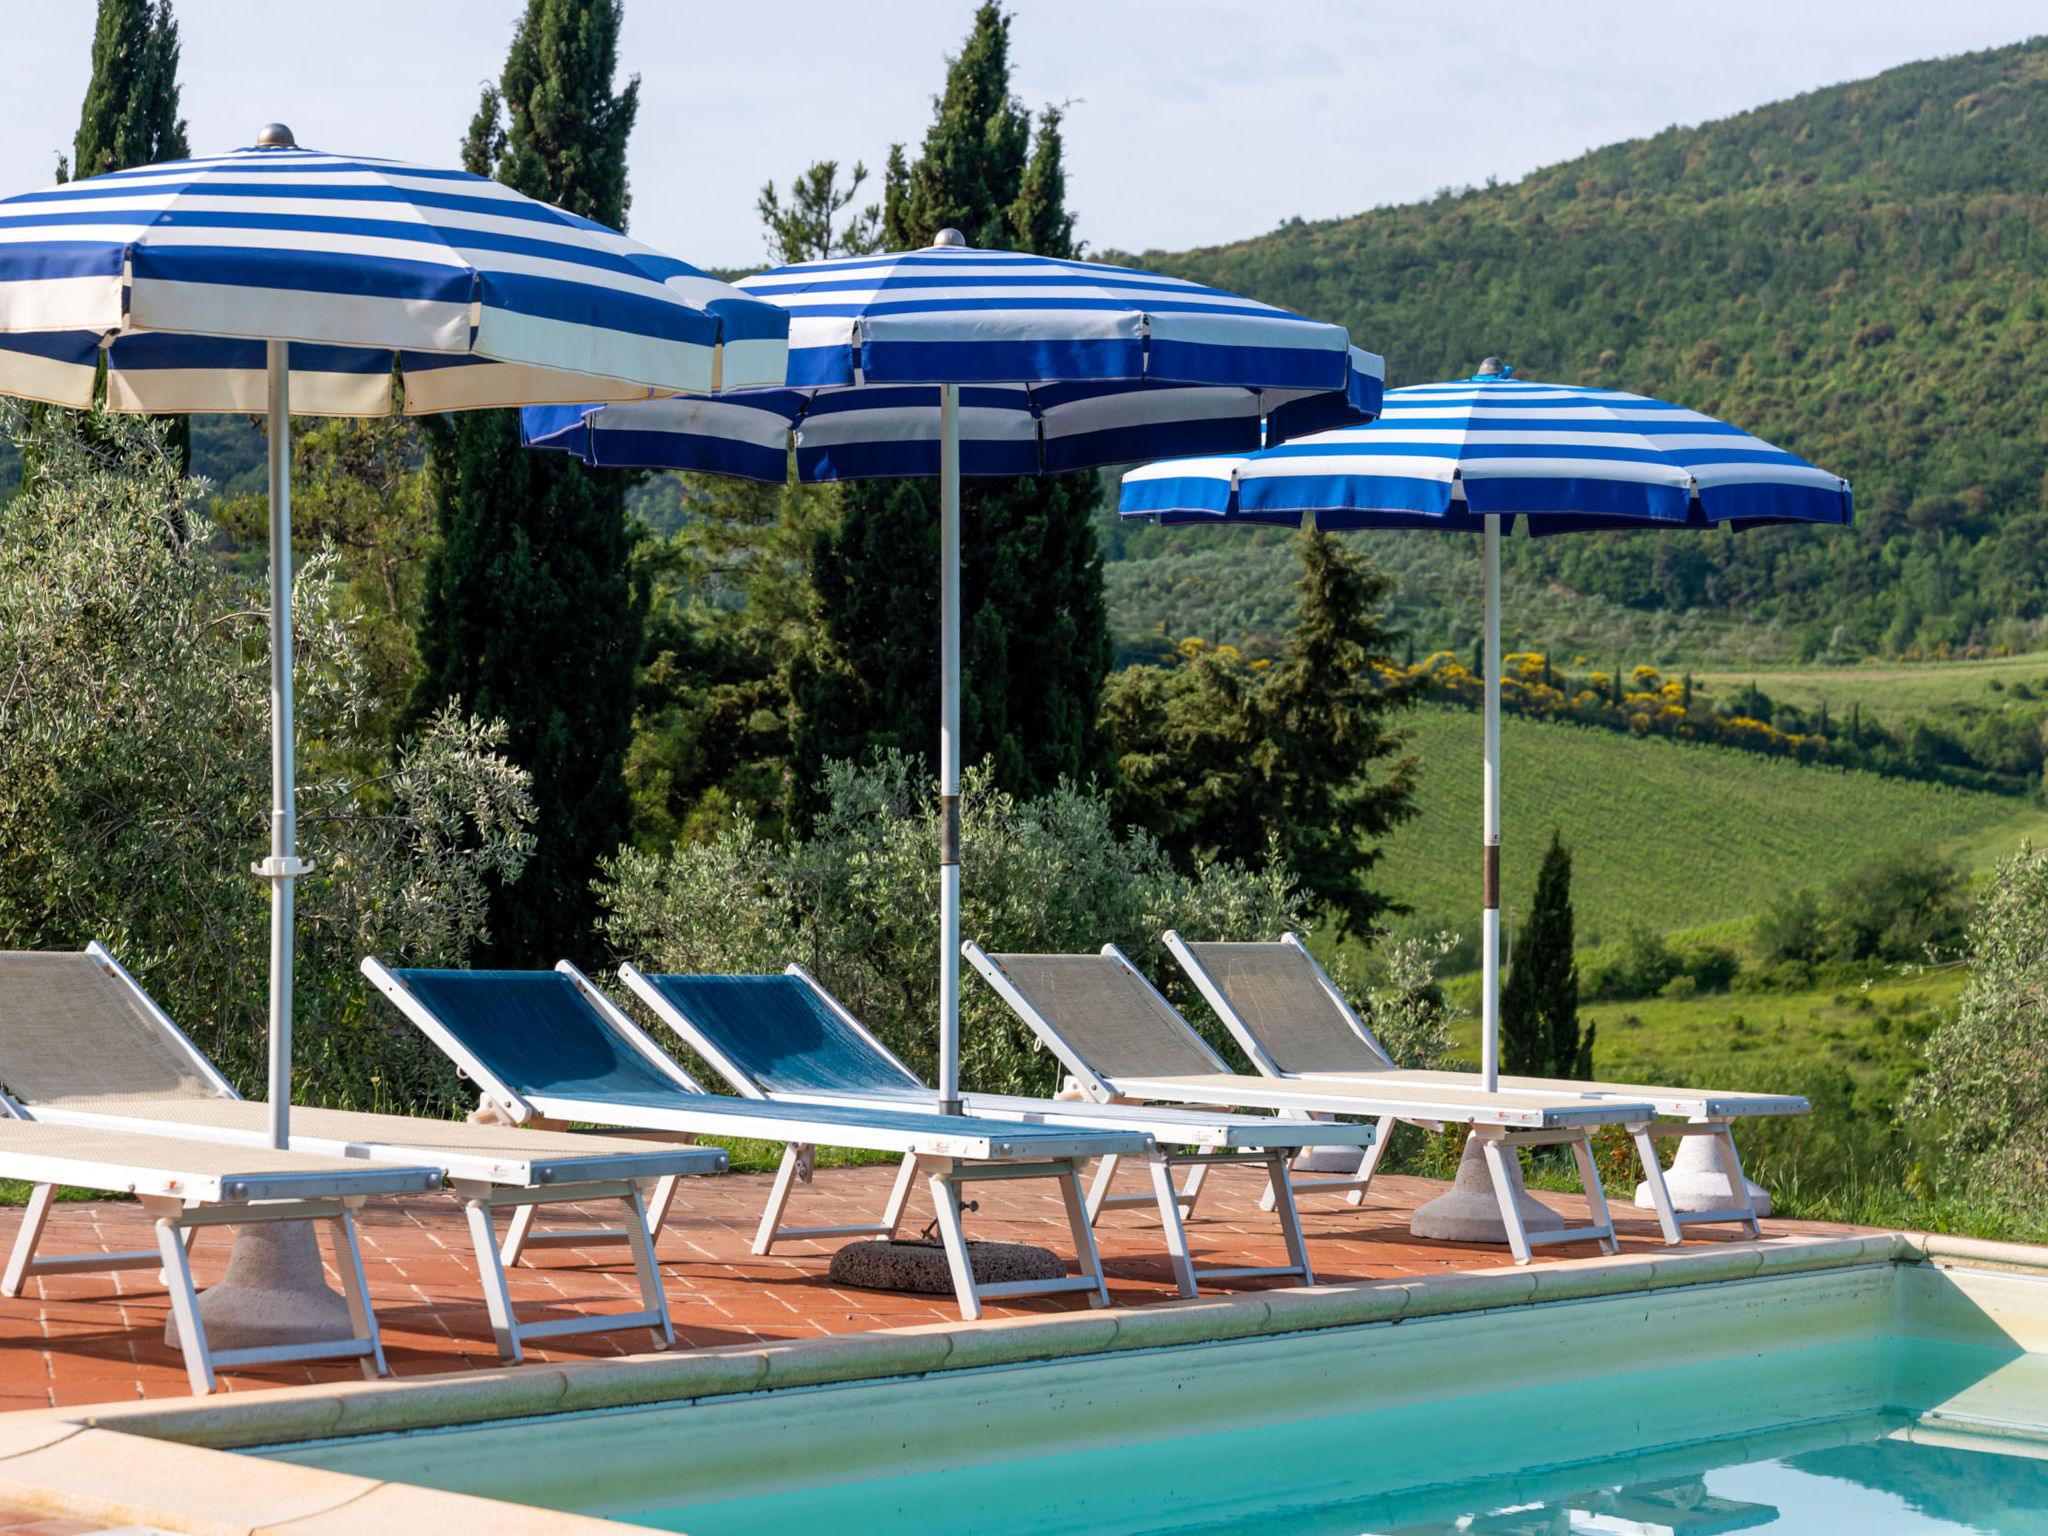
1891 690
1675 836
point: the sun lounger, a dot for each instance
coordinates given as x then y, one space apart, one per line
184 1186
82 1044
1293 1022
550 1044
1122 1040
785 1038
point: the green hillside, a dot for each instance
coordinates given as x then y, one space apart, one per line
1669 834
1856 274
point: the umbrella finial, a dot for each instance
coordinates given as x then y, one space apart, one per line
275 136
1493 368
949 237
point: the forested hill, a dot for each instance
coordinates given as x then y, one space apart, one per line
1859 274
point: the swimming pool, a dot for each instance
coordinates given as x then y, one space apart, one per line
1878 1397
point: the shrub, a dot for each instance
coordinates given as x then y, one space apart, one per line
1987 1080
1791 927
856 903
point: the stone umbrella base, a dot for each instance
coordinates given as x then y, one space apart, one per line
896 1264
1470 1213
1697 1183
275 1292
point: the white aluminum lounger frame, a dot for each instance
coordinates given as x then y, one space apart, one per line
183 1190
1704 1113
947 1160
494 1172
1503 1122
1206 1138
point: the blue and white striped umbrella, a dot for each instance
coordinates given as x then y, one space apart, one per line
1472 456
949 361
278 279
1449 455
178 274
1065 365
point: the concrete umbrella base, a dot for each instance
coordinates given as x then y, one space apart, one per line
1697 1182
1470 1213
1329 1159
275 1292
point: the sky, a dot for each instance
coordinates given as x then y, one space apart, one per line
1190 122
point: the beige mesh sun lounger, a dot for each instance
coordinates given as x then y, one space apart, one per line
1294 1023
185 1185
82 1044
1123 1041
785 1038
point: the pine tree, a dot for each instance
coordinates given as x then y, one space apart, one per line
1539 1005
807 227
1325 708
1035 629
130 115
531 611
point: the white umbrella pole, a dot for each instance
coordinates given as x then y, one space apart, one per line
949 749
283 864
1489 1004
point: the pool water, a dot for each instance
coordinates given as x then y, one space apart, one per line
1400 1471
1865 1400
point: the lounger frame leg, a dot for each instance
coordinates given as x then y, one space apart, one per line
1501 1148
24 1261
480 1200
355 1288
899 1194
28 1238
523 1235
1353 1185
185 1305
1098 1186
174 1223
1170 1221
490 1263
1673 1221
946 1177
795 1163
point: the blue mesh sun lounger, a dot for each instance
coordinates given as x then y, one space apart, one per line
82 1044
550 1045
785 1038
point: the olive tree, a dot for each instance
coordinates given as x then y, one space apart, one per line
134 771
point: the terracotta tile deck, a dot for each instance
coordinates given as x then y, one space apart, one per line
94 1338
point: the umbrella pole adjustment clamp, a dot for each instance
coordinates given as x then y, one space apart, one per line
281 867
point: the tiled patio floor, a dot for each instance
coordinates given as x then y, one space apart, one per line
92 1338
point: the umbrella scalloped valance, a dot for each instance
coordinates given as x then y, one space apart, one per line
175 276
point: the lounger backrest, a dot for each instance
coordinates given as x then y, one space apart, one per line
1109 1016
1284 1002
780 1034
536 1033
73 1026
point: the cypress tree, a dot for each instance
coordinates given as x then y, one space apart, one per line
1035 631
130 114
1539 1005
531 612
